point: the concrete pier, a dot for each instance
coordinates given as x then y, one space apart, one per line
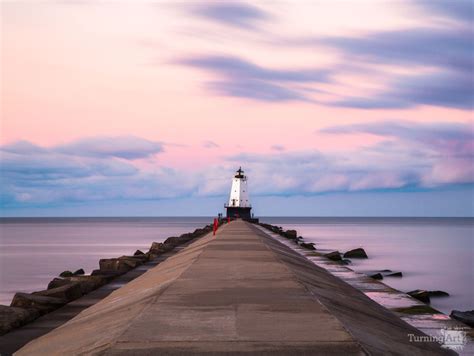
237 292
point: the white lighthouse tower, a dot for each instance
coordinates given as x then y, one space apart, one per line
239 203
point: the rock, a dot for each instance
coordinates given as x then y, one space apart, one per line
394 274
356 253
438 293
166 247
291 234
334 256
151 256
157 248
123 264
58 282
173 240
41 303
416 310
68 292
90 283
138 253
425 295
376 276
308 245
275 229
421 295
66 274
185 238
107 275
80 271
390 273
467 317
139 258
199 232
114 265
13 317
346 262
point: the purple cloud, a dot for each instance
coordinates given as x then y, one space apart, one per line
278 148
446 52
427 47
441 153
235 14
455 139
210 144
459 10
243 79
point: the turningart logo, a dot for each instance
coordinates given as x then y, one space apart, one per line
450 338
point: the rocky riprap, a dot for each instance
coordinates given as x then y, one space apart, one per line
289 234
26 307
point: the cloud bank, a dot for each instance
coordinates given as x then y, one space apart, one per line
411 156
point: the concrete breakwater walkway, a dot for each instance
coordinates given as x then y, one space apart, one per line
240 291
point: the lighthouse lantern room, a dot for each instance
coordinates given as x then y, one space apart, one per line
239 203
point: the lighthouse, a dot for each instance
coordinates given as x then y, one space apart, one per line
239 203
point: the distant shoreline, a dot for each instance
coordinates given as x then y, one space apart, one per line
262 217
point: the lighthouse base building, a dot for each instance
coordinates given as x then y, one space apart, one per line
239 204
237 212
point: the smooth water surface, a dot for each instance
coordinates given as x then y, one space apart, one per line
34 250
432 253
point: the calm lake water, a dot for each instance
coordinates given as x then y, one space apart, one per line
34 250
431 253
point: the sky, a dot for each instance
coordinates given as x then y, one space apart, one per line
146 108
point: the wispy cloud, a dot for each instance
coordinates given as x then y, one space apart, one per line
444 89
237 14
458 136
459 10
442 48
244 79
210 144
278 148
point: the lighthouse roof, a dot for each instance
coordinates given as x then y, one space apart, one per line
239 173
